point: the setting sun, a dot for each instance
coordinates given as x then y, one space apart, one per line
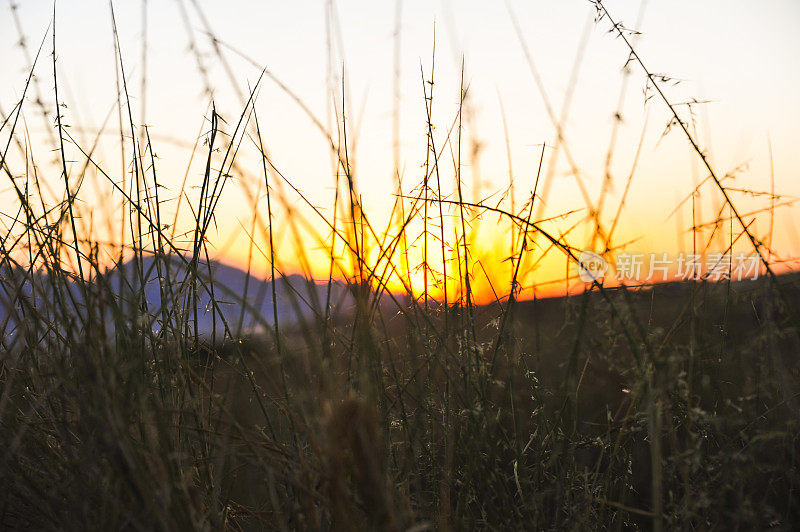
351 265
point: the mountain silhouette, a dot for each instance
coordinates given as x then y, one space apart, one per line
160 291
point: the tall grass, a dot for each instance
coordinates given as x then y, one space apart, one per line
672 406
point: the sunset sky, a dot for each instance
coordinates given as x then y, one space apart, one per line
740 57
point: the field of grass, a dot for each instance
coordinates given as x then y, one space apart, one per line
667 406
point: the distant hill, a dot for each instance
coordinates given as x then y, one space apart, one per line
140 288
158 290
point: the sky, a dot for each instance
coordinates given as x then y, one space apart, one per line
738 58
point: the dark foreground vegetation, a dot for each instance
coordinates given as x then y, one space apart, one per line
669 407
673 406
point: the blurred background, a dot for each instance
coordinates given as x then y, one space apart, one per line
534 73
